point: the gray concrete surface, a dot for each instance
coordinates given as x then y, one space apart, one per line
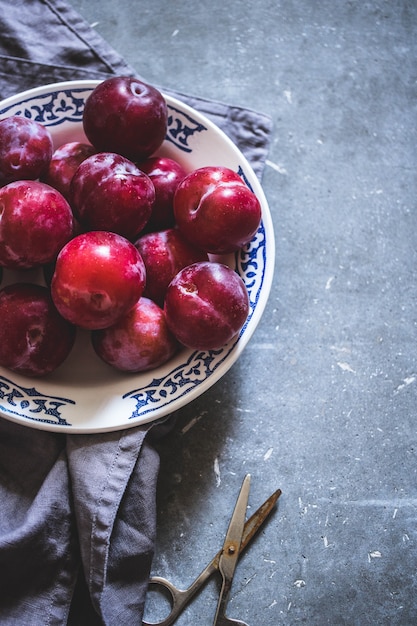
322 403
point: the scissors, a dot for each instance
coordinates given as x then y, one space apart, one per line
238 536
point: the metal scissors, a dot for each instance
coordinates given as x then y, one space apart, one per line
238 536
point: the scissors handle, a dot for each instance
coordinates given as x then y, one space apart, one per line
179 598
221 618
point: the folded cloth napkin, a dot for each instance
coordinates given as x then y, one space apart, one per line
77 512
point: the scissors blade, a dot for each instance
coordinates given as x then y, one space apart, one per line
256 520
231 548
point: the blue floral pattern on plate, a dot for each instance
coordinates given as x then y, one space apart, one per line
28 402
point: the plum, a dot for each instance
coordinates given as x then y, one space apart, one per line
166 174
98 277
216 210
137 342
64 163
206 305
165 253
109 192
25 149
34 338
126 115
35 222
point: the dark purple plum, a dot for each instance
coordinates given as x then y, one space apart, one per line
64 163
34 338
166 174
109 192
139 341
216 210
25 149
35 222
206 305
125 115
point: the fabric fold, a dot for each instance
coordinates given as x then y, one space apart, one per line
38 546
114 509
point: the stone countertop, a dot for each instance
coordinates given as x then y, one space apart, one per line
322 402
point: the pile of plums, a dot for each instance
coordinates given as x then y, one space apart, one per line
125 239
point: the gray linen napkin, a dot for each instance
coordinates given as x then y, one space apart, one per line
77 512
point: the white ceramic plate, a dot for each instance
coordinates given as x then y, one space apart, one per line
84 395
